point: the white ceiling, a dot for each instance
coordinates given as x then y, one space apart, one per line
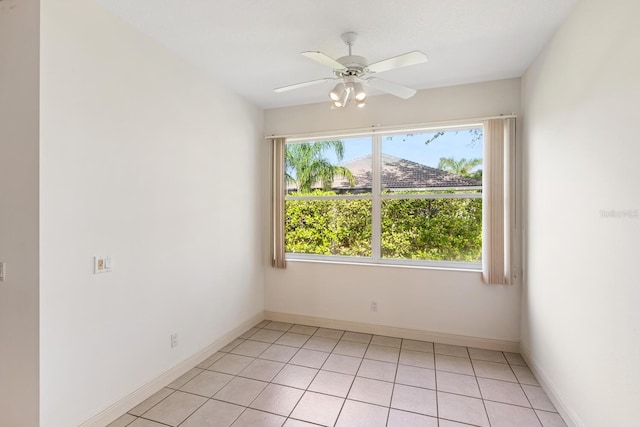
254 46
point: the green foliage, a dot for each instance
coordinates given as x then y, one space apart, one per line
328 227
432 229
461 167
420 229
475 133
306 166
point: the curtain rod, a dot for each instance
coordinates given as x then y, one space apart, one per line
389 128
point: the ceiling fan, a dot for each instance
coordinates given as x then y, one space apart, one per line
354 71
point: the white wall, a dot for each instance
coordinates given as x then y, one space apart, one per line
19 44
445 302
147 160
431 105
580 313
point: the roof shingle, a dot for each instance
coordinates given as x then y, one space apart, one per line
400 173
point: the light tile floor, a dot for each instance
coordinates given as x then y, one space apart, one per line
279 374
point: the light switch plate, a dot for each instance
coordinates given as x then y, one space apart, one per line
102 264
3 270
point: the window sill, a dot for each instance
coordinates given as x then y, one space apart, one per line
457 267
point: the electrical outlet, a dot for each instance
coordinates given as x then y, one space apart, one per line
374 306
174 340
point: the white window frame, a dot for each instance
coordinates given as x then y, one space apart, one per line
377 197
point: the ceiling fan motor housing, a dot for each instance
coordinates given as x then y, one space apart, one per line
355 66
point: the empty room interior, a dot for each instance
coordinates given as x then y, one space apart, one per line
163 261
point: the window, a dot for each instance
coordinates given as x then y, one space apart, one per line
393 198
328 206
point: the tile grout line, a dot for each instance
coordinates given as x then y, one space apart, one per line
486 413
244 338
435 379
435 374
352 382
238 375
234 377
308 385
269 382
395 377
161 400
191 414
525 394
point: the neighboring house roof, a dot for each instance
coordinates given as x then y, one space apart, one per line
401 173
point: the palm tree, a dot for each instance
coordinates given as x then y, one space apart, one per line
306 166
460 167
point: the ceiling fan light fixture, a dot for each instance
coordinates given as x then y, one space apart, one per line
359 92
344 98
337 92
341 94
360 104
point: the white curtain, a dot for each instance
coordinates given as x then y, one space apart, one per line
277 204
499 141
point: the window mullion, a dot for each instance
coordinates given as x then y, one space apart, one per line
376 199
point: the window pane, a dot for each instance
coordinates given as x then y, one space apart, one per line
432 229
328 227
340 166
447 159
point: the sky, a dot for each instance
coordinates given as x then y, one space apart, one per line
456 143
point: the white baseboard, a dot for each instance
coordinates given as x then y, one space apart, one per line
568 415
123 405
442 338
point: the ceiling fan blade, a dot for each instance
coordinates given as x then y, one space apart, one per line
303 84
404 60
323 59
392 88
